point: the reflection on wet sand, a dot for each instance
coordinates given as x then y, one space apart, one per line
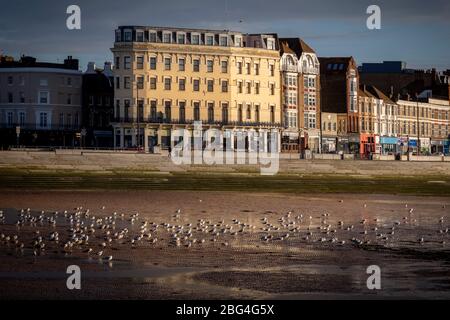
258 246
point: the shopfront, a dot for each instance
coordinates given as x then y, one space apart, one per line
389 145
367 145
348 144
437 146
329 144
408 144
353 144
425 146
290 142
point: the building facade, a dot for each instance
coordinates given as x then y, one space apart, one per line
339 91
423 126
98 106
40 103
167 78
329 132
300 77
369 117
386 121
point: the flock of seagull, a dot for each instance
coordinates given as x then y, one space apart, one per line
96 235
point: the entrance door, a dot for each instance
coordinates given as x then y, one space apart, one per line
151 143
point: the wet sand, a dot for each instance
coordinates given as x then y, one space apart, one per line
241 266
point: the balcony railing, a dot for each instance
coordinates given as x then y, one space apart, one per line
34 126
191 122
310 70
289 68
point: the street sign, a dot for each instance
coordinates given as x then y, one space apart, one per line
18 130
83 132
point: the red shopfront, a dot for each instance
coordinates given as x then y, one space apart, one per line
368 145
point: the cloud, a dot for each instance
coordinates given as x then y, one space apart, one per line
38 27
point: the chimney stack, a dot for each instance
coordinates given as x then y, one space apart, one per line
71 63
90 67
107 70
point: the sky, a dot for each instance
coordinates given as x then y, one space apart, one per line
414 31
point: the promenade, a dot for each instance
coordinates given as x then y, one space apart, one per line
97 161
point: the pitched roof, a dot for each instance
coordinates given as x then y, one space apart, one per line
361 93
284 47
364 91
305 47
295 46
379 94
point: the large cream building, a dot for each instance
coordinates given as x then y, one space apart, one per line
167 78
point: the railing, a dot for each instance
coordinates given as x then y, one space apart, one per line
204 122
289 68
310 70
34 126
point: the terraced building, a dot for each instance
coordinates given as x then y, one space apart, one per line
167 78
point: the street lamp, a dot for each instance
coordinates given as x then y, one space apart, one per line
18 135
136 81
418 125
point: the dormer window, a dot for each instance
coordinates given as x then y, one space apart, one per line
118 36
237 41
181 38
167 37
209 40
152 36
128 35
140 36
223 41
195 38
271 43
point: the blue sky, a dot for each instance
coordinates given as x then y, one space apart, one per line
413 31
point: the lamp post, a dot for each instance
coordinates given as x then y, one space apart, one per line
407 141
418 125
138 114
320 132
18 135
